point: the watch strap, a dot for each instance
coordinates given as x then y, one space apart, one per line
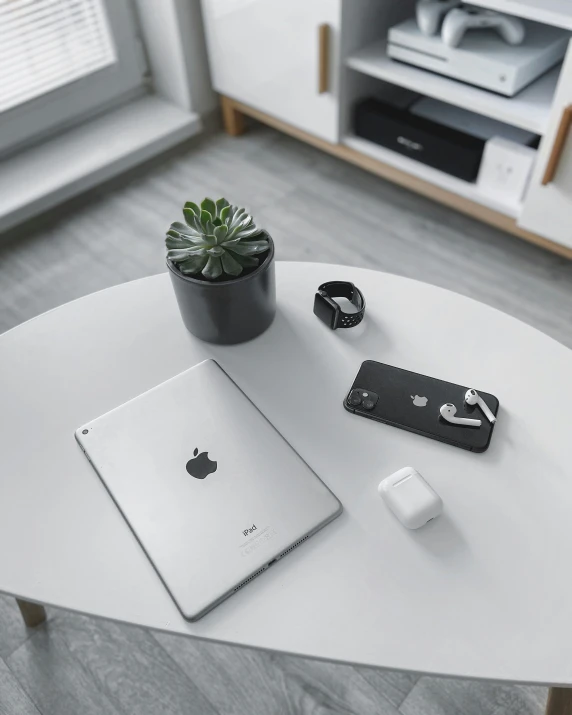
345 289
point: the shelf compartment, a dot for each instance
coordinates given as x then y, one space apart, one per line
529 109
434 176
550 12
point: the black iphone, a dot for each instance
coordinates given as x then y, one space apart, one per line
412 402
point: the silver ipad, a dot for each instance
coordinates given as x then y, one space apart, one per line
212 491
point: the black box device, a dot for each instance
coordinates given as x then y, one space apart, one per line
448 138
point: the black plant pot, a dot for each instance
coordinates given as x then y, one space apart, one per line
228 312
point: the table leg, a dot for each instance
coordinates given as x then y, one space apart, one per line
32 613
233 119
559 701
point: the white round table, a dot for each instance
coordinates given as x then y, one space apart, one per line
484 591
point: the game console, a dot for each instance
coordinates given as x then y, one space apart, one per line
430 14
484 59
460 19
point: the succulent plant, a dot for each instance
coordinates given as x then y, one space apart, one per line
216 240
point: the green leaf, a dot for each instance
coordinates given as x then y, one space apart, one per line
225 213
247 232
217 221
220 205
181 254
206 218
246 261
220 233
209 241
231 265
233 232
213 268
210 206
191 240
216 251
248 249
177 242
239 217
193 265
183 228
192 207
194 222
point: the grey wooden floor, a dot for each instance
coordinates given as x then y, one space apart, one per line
318 209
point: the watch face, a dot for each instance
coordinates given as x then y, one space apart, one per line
325 310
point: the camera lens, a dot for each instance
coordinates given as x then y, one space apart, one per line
368 404
355 399
84 431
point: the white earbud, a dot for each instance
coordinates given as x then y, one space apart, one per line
448 413
472 397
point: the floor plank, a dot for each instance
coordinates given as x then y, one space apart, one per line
13 700
445 696
55 680
129 666
240 681
393 685
13 631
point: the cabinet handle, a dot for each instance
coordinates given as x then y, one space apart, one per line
558 146
323 57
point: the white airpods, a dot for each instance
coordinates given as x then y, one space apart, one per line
448 413
472 397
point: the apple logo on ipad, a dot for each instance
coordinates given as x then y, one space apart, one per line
419 401
201 466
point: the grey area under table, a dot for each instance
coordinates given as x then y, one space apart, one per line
317 208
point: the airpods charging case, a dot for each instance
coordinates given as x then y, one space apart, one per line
413 501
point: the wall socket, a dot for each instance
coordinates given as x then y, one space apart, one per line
505 169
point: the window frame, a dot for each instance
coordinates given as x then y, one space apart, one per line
65 106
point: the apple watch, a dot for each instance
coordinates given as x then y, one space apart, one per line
330 313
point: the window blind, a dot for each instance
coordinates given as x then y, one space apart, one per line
46 44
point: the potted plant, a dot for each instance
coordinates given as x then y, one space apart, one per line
222 268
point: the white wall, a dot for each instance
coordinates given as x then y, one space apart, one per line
204 99
175 44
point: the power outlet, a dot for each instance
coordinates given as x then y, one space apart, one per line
505 169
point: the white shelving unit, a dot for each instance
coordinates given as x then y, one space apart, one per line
550 12
445 181
341 59
529 110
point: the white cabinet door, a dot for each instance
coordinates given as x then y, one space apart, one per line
270 54
547 207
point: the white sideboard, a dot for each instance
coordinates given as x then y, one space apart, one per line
267 55
301 66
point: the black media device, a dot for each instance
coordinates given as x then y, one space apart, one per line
412 402
451 150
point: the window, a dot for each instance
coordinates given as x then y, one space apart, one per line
62 61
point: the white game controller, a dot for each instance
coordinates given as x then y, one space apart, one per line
430 14
459 20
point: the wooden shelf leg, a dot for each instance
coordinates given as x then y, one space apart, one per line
559 701
32 613
233 119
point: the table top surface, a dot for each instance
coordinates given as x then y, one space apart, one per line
483 591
